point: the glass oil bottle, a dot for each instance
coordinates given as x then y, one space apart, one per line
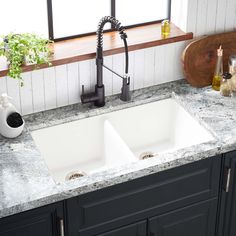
218 70
165 28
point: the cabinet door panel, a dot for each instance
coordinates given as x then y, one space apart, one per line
194 220
37 222
138 229
150 195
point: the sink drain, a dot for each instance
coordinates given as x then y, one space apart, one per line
75 175
146 155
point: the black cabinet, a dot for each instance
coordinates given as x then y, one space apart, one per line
227 220
109 209
179 201
195 220
137 229
44 221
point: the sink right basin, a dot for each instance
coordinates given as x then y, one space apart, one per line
158 127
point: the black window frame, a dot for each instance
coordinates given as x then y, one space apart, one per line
113 13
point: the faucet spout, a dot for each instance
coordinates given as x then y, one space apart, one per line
98 97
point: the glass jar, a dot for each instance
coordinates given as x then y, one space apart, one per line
165 27
233 82
225 86
232 64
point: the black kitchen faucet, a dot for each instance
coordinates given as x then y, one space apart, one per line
98 97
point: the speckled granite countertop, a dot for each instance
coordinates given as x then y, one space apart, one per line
25 181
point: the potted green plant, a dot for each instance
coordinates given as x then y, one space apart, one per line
23 49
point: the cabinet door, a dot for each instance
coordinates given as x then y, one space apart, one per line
43 221
137 229
194 220
227 226
135 200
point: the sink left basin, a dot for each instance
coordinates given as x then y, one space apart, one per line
81 147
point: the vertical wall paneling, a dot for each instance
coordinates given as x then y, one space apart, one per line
230 15
84 75
139 68
149 61
50 88
170 60
62 85
26 94
179 48
235 17
73 83
13 91
38 91
192 15
211 16
173 64
201 17
160 55
118 66
107 75
220 16
3 85
179 13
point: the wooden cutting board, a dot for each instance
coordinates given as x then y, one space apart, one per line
199 57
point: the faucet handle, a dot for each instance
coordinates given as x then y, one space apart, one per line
125 90
83 95
127 79
82 90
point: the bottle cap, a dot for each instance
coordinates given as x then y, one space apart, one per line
220 51
226 75
165 22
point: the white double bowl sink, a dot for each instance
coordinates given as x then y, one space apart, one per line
113 139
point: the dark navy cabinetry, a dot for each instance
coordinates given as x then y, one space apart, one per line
227 218
136 229
181 201
194 220
43 221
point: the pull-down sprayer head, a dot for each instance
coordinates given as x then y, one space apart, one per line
98 97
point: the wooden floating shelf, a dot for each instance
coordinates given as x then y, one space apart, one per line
80 49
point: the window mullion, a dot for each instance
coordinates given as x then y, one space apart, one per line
113 10
169 9
50 20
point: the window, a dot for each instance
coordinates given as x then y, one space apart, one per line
132 12
24 16
75 17
71 18
63 19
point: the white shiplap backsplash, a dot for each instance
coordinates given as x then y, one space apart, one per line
204 16
61 85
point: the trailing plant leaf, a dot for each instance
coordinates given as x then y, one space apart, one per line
21 49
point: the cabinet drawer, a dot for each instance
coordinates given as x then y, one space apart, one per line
153 194
136 229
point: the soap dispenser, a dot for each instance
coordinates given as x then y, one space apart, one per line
11 122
